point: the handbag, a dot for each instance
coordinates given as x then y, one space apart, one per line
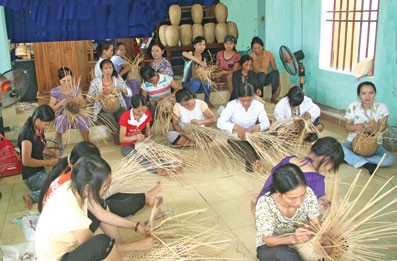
9 160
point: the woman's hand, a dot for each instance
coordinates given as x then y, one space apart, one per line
139 137
241 133
52 161
372 125
202 63
360 127
302 235
307 115
256 128
258 92
197 122
142 229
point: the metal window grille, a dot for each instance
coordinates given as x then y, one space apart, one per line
354 29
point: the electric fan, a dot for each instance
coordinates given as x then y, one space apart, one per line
291 62
14 85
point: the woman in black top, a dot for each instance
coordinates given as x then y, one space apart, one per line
243 76
32 144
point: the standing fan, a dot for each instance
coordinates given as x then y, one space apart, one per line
292 64
14 85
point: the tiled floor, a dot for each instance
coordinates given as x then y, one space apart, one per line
225 193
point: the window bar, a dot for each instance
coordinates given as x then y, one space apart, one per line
359 35
353 38
337 48
332 39
345 41
369 27
376 34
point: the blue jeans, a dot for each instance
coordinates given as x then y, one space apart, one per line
197 86
35 183
358 161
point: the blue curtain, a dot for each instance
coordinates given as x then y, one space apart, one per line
64 20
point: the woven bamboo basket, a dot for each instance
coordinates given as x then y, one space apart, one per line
209 32
197 13
172 35
110 103
197 30
162 34
232 29
186 34
221 13
220 32
364 144
175 13
75 104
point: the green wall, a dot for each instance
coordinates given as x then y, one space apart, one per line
5 63
297 24
245 15
284 23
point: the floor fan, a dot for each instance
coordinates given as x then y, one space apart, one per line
292 63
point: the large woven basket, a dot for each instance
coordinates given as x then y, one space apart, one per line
110 103
364 144
175 14
197 13
209 32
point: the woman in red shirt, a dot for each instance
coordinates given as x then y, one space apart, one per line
133 122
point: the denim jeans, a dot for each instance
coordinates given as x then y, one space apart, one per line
35 183
358 161
197 86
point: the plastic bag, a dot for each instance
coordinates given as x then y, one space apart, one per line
21 252
9 161
28 220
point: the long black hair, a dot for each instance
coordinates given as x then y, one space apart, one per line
330 149
104 45
245 58
286 178
65 164
295 96
147 73
257 40
90 172
43 113
63 71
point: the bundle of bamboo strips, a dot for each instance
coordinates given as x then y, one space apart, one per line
356 228
134 65
149 156
163 115
185 236
366 143
212 144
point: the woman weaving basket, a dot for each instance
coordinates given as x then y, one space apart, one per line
366 120
106 92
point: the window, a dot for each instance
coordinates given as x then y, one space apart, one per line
348 34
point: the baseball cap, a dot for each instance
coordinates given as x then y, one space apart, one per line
230 38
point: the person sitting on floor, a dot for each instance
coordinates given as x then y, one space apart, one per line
67 205
326 154
288 203
32 145
160 64
59 96
369 116
157 86
133 123
188 110
242 116
296 104
105 51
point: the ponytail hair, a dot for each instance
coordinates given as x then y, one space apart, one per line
286 178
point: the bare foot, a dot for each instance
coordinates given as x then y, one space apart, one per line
151 194
253 205
28 201
258 166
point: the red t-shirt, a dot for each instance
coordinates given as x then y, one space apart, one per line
133 126
227 65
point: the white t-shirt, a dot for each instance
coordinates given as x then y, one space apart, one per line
356 113
186 116
234 113
282 111
98 72
163 87
61 215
